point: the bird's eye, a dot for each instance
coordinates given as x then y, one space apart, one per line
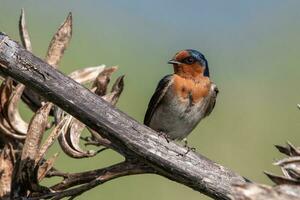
189 60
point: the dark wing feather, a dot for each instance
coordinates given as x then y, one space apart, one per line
211 100
159 93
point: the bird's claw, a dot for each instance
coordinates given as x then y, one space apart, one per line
193 149
188 149
162 134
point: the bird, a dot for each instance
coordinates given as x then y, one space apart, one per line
182 99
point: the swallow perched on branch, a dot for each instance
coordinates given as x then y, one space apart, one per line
182 99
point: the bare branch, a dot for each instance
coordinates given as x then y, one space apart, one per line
93 178
98 140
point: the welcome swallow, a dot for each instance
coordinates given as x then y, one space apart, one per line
182 99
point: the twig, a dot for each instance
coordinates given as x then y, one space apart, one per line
93 178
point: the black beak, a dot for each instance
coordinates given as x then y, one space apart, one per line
174 62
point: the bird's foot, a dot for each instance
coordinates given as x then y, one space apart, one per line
193 149
163 134
185 142
188 149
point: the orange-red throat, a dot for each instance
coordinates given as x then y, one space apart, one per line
189 71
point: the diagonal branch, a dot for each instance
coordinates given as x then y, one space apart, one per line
130 138
120 169
90 179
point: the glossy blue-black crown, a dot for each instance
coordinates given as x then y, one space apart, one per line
200 58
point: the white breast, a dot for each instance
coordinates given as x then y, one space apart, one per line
178 117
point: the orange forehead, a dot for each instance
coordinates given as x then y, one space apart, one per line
181 55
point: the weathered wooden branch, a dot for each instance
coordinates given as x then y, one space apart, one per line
130 138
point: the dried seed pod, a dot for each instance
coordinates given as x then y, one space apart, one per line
69 141
287 186
279 180
116 91
14 117
87 74
103 80
24 35
261 192
289 150
35 133
51 139
45 167
11 123
26 172
59 42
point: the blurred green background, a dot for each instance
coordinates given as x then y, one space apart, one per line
253 50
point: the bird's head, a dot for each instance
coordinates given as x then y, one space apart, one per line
190 63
